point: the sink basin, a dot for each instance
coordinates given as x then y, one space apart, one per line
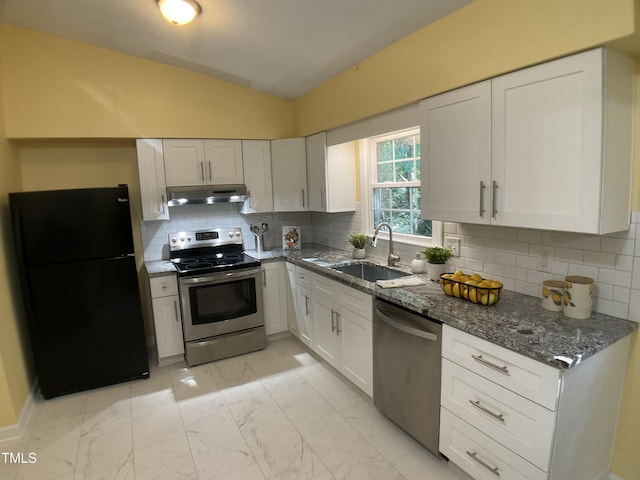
369 271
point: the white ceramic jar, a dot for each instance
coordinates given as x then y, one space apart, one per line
553 295
578 301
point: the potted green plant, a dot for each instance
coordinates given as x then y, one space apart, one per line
358 241
436 258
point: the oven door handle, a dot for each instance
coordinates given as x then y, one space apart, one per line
220 277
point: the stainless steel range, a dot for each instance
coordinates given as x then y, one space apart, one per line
220 294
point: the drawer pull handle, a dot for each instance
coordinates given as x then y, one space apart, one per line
478 358
474 456
477 404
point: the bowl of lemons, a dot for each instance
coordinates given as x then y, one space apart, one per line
471 287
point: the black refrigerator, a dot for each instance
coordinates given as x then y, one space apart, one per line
80 287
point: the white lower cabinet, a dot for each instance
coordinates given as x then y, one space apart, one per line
479 455
274 295
305 316
167 319
327 332
292 303
504 415
335 321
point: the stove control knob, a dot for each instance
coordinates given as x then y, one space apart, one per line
174 240
236 234
188 239
230 234
182 239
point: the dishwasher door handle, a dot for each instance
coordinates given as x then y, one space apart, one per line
398 324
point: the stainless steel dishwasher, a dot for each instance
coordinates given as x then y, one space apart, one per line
406 371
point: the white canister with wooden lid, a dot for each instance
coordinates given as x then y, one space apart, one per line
578 301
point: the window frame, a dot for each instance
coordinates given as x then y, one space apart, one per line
368 155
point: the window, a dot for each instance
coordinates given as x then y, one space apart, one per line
394 187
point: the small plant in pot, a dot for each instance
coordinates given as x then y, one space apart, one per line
358 241
437 258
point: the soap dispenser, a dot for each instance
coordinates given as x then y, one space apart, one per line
417 264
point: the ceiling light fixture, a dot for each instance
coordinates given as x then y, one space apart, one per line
179 12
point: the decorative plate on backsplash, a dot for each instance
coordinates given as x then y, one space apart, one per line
291 238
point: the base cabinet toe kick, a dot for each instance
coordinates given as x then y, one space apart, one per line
506 416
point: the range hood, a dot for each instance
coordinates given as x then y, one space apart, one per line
206 194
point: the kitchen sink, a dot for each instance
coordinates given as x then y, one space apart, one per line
369 271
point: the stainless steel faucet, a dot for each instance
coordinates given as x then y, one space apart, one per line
392 259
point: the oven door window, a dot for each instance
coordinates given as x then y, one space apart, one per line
222 301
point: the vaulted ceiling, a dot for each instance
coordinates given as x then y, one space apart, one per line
284 47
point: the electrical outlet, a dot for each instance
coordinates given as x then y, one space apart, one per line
453 244
543 263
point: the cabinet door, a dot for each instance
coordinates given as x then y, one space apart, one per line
547 144
331 175
256 158
305 316
456 155
317 171
153 187
289 173
341 178
357 355
293 310
166 318
274 297
326 339
184 162
223 162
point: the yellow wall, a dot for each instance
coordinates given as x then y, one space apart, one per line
15 374
482 40
626 461
57 164
57 88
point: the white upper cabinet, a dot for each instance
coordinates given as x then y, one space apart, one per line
330 175
456 154
152 179
560 147
184 162
256 158
289 174
223 159
203 162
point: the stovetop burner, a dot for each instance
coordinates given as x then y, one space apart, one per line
209 251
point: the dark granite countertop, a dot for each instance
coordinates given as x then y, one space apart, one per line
517 322
158 268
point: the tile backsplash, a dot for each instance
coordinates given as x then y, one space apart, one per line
511 255
193 217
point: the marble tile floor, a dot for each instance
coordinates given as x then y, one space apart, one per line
280 413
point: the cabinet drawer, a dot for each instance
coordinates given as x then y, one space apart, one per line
480 456
163 286
358 302
326 287
525 376
523 426
303 277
